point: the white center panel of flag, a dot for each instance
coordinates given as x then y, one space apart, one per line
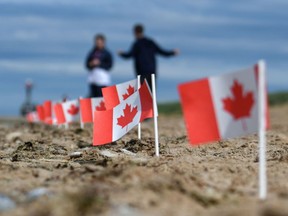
122 89
133 102
71 110
221 89
96 102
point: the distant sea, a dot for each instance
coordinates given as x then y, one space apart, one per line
54 86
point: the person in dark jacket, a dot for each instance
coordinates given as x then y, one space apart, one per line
99 63
144 51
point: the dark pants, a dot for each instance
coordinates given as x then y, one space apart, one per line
95 90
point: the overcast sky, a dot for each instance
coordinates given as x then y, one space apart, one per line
48 40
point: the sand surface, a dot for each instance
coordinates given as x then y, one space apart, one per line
125 178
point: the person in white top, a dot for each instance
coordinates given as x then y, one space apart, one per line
99 63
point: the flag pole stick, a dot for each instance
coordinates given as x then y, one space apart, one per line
262 132
66 125
155 115
139 125
81 122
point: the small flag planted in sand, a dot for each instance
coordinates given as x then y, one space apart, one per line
67 112
112 124
221 107
228 106
114 95
88 106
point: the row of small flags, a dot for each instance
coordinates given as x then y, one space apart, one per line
121 108
214 108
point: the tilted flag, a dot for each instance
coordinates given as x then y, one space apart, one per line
221 107
112 124
88 106
67 112
32 117
113 95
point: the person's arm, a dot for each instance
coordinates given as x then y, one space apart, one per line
87 63
164 52
129 53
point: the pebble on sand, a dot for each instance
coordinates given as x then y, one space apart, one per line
6 203
36 193
76 154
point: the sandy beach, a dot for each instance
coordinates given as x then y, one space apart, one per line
50 171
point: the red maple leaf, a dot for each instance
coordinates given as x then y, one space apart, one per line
128 116
129 91
73 110
101 106
240 105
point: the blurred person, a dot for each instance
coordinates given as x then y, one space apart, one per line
99 63
144 51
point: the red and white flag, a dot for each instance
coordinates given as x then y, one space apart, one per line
67 112
32 117
221 107
112 124
88 106
114 95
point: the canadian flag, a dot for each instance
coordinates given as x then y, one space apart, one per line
32 117
67 112
221 107
113 95
40 113
88 106
112 124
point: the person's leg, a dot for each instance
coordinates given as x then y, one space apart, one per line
95 90
148 79
99 91
92 90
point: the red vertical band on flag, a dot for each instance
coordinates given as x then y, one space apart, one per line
48 112
198 109
103 127
111 98
146 102
47 109
59 113
256 72
40 112
86 110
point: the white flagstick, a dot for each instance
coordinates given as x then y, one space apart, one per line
139 125
66 125
262 131
155 114
81 123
